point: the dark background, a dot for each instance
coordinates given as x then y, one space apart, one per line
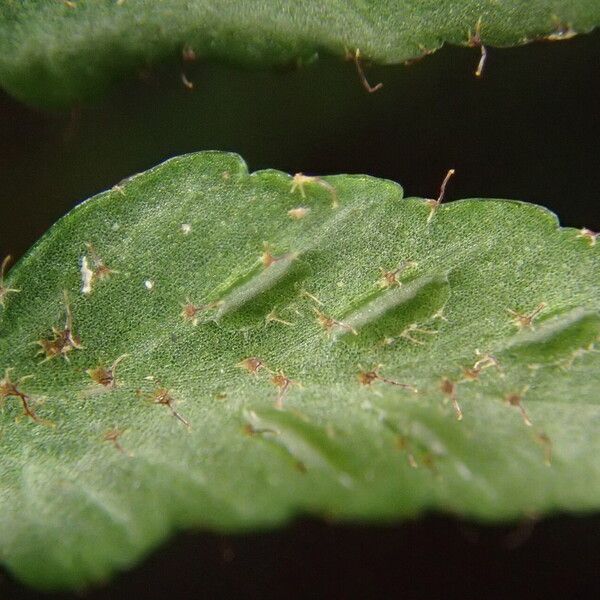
527 130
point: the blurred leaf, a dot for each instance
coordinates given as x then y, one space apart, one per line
54 53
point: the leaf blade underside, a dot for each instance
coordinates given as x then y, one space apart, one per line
320 297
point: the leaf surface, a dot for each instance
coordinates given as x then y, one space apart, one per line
55 53
259 339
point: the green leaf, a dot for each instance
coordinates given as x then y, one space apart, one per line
56 53
248 316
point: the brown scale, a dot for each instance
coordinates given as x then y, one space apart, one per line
435 204
390 278
250 430
485 362
10 389
369 377
329 324
525 321
470 374
191 311
163 396
300 467
267 258
514 399
429 461
562 31
4 291
298 213
113 436
188 54
273 317
299 180
253 365
106 377
281 381
283 384
62 341
312 297
475 41
355 56
587 234
403 444
413 328
542 439
424 53
448 388
100 270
